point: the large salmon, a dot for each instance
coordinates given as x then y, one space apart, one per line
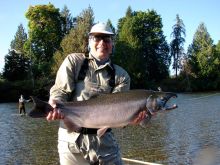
106 110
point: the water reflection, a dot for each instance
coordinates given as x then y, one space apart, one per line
24 140
187 135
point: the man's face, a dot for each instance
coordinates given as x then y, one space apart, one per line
100 45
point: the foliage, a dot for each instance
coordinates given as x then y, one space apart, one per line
176 45
109 23
201 65
11 91
140 40
217 58
16 64
76 40
19 40
45 34
68 21
140 47
201 54
16 67
129 13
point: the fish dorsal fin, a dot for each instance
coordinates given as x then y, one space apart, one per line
98 95
101 131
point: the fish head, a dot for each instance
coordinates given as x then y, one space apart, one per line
157 101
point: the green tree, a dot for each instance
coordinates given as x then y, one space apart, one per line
77 39
16 64
201 53
45 34
19 39
217 59
67 20
141 48
109 23
176 45
218 47
129 13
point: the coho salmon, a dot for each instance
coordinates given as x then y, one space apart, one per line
106 110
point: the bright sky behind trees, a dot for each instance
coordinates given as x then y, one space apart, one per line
192 12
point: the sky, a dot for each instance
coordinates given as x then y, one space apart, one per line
192 12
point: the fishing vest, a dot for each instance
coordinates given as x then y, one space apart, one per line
81 77
110 70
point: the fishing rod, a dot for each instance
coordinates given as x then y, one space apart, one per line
138 161
197 98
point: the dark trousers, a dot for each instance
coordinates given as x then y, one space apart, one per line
22 109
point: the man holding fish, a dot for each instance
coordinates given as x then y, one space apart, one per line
81 77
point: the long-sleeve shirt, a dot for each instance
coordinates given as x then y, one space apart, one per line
67 87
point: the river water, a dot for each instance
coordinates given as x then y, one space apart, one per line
189 135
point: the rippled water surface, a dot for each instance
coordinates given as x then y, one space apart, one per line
187 135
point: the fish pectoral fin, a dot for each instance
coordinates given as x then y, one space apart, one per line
71 127
145 121
101 131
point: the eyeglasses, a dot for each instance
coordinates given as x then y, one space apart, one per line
98 38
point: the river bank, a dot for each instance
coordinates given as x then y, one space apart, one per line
11 91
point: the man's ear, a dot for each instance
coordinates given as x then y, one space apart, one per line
88 47
113 49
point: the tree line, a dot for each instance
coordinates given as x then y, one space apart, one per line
140 47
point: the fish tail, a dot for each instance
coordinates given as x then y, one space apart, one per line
40 108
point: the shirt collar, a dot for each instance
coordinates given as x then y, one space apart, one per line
100 64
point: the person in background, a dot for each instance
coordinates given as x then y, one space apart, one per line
21 104
79 77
